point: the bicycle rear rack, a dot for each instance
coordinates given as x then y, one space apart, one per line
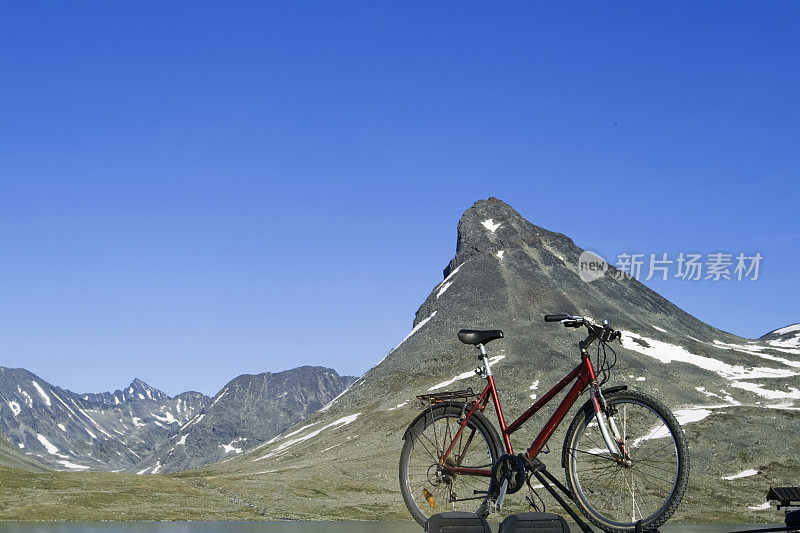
465 395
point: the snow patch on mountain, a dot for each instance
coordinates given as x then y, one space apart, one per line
684 416
490 224
443 289
228 448
287 435
73 466
28 400
49 446
668 353
345 420
330 403
770 394
168 418
788 329
40 390
449 276
744 473
753 349
534 386
465 375
727 397
415 329
760 507
218 398
92 420
693 414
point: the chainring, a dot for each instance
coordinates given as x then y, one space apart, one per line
510 467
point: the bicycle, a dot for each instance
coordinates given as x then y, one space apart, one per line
625 456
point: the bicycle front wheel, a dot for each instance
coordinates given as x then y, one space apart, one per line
647 479
428 488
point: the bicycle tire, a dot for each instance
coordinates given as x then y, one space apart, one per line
416 429
681 477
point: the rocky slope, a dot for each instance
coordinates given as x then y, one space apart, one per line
737 398
247 412
11 456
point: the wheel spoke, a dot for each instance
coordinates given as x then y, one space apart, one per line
606 457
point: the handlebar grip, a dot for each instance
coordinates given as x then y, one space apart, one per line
555 318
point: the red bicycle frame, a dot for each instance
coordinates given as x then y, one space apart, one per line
583 374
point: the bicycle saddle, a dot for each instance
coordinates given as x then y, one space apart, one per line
479 336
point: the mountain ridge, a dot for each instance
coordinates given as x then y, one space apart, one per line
56 428
275 402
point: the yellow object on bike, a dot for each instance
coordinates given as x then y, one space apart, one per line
429 498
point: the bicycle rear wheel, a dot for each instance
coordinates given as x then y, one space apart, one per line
649 485
426 488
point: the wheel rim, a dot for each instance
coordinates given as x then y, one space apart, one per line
623 494
425 479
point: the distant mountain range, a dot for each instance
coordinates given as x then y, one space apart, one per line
141 429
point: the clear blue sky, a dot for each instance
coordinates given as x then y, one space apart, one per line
193 190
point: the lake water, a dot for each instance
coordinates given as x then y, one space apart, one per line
279 527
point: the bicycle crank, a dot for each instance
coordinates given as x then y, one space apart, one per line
508 477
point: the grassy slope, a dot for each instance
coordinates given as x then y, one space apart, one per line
31 492
347 491
296 489
106 496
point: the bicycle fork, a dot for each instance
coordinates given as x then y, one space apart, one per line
616 442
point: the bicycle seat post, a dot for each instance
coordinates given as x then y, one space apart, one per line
484 357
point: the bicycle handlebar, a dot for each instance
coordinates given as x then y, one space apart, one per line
604 332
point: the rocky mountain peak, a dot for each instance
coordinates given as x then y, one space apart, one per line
492 227
141 390
138 390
